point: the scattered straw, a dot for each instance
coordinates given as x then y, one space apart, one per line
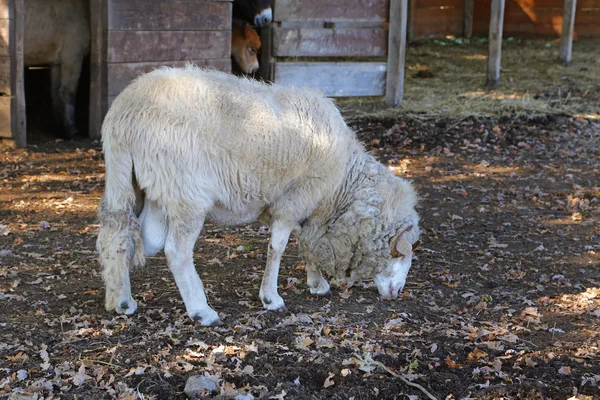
533 82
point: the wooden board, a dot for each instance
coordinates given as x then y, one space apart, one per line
5 37
331 10
5 117
437 22
120 75
147 15
329 42
140 46
6 11
5 85
438 3
334 79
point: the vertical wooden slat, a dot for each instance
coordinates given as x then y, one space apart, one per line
568 25
18 117
266 70
98 81
468 28
409 20
394 89
495 38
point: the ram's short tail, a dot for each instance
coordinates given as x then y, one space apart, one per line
119 242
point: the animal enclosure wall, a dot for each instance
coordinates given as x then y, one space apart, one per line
539 18
430 18
434 18
337 46
130 37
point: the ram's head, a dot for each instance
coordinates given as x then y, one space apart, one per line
392 279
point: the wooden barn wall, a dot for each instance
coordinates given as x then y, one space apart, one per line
306 34
539 18
145 34
435 18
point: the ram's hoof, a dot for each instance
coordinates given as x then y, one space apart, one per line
210 318
273 303
127 307
317 292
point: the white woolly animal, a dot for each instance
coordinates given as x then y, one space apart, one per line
185 146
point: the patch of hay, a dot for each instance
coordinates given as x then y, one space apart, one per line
447 78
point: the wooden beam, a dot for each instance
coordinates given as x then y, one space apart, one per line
98 81
394 88
568 27
468 27
495 38
335 79
344 42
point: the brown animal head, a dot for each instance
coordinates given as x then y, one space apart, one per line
245 44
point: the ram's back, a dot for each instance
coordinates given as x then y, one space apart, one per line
202 133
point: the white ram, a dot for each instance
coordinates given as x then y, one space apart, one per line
185 146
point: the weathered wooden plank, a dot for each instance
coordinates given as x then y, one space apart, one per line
98 79
148 15
132 46
5 117
329 42
566 37
335 79
6 9
331 10
394 89
5 84
5 39
120 75
439 3
468 20
18 117
495 38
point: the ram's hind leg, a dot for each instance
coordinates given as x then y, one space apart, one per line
179 249
119 246
316 283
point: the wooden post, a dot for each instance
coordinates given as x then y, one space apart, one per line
495 38
13 130
265 67
98 82
394 89
468 26
568 25
19 118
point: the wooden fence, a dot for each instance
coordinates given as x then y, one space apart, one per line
337 46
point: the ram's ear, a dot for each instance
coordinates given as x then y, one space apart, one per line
399 245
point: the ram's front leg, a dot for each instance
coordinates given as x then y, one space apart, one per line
316 283
280 234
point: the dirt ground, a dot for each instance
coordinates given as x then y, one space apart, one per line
503 300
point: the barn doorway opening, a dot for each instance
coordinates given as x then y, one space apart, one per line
41 126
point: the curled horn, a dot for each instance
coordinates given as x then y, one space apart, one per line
399 245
